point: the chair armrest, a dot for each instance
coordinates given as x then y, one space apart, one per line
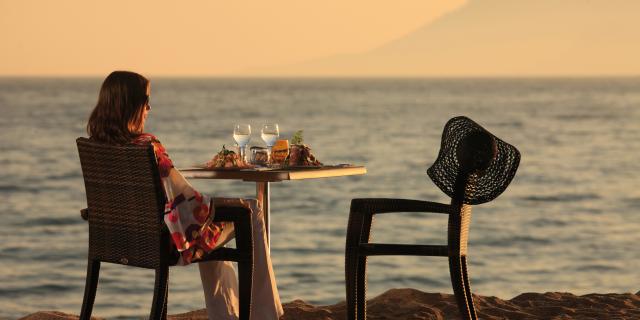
233 214
84 213
241 218
361 219
387 205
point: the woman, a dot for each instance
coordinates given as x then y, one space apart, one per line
119 118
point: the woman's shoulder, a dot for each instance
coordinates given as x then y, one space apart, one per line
145 138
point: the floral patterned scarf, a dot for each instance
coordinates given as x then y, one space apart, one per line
188 214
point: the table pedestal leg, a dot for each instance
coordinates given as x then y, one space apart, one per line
263 195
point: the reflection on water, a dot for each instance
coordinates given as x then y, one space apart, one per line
568 222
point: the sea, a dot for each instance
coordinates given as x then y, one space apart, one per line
569 221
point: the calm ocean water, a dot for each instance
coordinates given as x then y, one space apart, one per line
568 222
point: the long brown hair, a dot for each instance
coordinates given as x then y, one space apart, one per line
117 117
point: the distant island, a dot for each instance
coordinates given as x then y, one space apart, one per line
502 38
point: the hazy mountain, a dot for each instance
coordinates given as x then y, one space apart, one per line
505 37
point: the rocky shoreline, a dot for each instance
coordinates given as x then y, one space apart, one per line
414 304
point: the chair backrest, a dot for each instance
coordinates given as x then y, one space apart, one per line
126 203
473 167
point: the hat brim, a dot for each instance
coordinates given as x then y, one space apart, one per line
487 185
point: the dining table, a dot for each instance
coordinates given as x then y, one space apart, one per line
263 176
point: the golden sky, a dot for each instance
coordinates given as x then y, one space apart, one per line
197 37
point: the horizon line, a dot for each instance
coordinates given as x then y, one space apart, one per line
355 76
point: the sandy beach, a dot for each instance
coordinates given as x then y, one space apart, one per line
414 304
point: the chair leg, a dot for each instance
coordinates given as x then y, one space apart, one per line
245 282
467 288
358 231
244 245
356 277
166 301
361 287
90 287
459 287
351 273
160 293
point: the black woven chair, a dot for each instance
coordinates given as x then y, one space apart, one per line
126 204
473 167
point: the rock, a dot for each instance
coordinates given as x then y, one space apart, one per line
53 315
414 304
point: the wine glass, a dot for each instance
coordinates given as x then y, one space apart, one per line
270 134
242 135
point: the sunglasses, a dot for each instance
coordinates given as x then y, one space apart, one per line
147 105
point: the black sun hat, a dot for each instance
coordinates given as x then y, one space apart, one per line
467 149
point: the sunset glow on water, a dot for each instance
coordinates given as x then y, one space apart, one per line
568 221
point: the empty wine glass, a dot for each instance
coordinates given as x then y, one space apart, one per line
270 134
242 135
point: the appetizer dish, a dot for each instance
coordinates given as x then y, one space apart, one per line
227 159
300 154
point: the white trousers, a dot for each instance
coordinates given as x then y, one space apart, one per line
219 280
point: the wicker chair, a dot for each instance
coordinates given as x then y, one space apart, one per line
126 203
473 167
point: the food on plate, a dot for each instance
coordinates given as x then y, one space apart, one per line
280 151
227 159
300 154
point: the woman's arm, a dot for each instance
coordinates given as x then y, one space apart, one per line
188 214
